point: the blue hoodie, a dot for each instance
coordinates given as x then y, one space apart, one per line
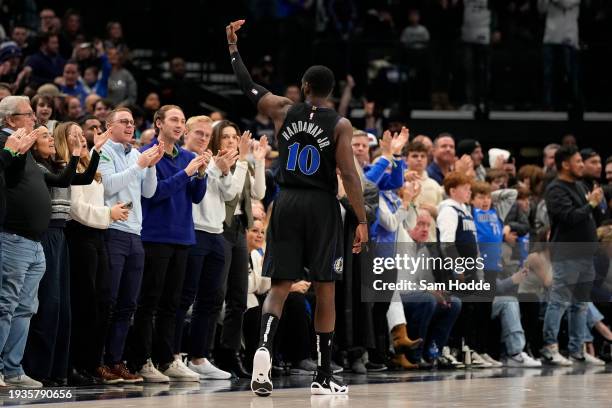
166 216
124 181
377 175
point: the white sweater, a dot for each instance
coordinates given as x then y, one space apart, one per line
561 21
87 206
476 28
258 285
209 214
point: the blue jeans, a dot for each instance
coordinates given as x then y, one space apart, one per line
0 260
571 282
125 267
202 282
593 317
509 312
22 269
425 315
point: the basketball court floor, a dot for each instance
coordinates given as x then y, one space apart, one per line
573 387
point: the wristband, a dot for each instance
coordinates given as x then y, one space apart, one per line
11 151
363 222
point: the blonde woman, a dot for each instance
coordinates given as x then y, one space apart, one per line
90 278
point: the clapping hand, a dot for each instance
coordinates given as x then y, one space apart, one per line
260 149
399 140
21 141
244 144
385 145
159 154
74 140
595 196
464 164
411 190
411 175
151 156
195 164
225 160
207 155
101 138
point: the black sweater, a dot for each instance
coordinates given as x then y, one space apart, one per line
571 217
28 205
59 178
5 161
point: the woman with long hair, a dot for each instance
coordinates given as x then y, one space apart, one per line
238 218
89 275
47 349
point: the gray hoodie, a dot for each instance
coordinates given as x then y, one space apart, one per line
561 21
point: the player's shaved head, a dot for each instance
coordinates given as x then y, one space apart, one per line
320 80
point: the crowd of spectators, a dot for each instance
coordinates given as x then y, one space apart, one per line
133 235
457 54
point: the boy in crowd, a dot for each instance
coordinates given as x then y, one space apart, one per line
491 233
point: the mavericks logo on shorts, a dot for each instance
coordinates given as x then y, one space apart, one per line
338 265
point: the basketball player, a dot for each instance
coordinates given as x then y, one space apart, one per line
305 231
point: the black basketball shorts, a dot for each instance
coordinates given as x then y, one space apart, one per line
304 237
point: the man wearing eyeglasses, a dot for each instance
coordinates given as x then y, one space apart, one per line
127 175
28 211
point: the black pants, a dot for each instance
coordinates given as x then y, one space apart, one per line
90 295
235 285
202 284
381 332
532 321
476 62
162 283
474 323
292 342
46 353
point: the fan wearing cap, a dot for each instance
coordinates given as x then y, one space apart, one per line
10 60
12 70
472 148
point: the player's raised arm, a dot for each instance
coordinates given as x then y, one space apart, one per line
350 180
267 103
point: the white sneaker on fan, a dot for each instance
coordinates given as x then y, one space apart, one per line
523 360
491 360
178 372
207 371
150 374
478 361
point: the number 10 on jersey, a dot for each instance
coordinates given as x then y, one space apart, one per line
308 159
